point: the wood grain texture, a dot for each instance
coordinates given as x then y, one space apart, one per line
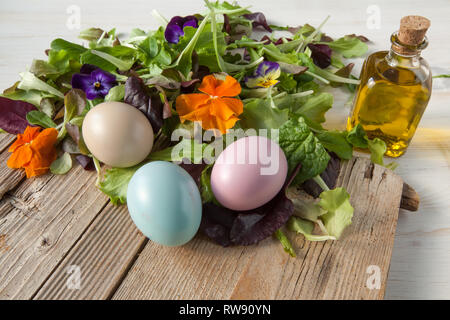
40 221
104 254
321 270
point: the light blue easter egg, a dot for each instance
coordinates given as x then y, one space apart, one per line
164 203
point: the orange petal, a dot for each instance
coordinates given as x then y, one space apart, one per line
44 143
233 104
212 122
187 103
31 172
20 157
229 87
219 108
209 84
28 135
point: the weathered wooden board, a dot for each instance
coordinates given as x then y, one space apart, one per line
40 221
325 270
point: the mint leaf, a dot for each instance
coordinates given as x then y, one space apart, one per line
339 211
301 146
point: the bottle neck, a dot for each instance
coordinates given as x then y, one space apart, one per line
403 55
399 59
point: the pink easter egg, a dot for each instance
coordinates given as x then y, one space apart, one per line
249 173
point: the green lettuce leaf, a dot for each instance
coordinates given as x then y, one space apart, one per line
115 183
339 211
306 228
377 149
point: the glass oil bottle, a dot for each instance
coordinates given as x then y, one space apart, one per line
395 88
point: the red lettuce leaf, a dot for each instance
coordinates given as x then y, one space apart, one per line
321 54
86 162
139 96
228 227
13 115
258 20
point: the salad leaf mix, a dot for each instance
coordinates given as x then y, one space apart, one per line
170 75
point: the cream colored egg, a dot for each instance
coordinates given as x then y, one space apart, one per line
117 134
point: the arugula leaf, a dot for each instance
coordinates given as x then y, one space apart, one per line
301 146
349 47
62 165
41 119
70 47
339 211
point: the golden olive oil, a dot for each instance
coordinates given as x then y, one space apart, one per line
394 91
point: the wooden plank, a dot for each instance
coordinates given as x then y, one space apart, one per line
326 270
40 221
104 254
5 140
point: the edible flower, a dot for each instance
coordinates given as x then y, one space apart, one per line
174 29
214 107
265 76
34 151
95 82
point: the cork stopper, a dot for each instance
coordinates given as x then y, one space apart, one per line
412 30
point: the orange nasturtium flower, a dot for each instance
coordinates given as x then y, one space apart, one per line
34 150
214 107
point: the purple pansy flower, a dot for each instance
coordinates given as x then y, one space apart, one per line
95 82
265 76
174 29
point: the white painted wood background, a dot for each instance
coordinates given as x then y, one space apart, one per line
420 267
